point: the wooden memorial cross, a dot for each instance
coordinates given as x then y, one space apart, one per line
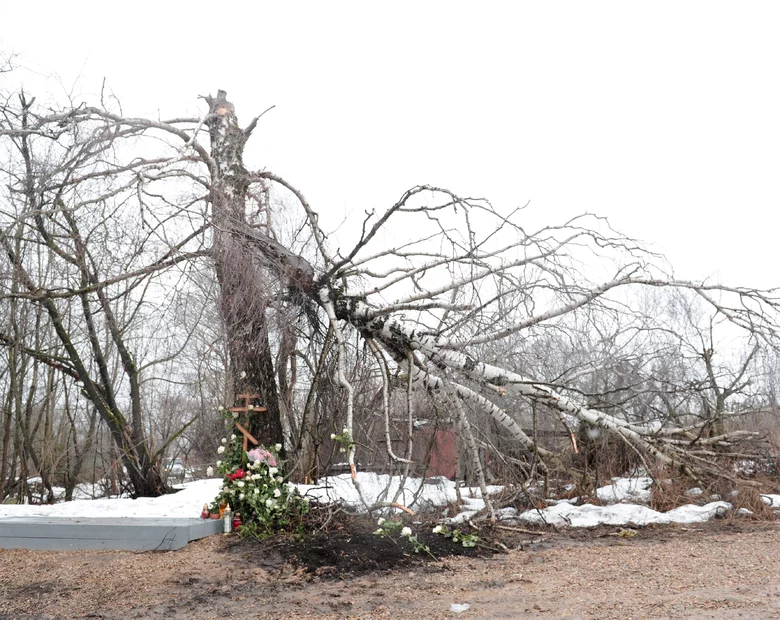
246 409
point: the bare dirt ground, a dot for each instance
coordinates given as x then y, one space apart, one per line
725 569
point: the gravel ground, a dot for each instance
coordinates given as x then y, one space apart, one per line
720 570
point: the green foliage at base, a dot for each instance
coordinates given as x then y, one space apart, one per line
392 529
467 540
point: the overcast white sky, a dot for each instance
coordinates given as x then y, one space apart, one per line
663 116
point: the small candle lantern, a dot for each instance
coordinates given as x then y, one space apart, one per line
227 520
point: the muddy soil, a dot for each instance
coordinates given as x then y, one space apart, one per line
724 569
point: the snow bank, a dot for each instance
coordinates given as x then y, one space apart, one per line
415 494
589 515
187 503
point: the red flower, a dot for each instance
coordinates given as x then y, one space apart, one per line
237 475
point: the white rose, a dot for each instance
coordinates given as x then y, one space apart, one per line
209 471
257 491
241 496
240 484
277 447
407 531
277 493
269 503
235 414
220 450
251 407
437 529
232 438
224 440
219 463
273 471
279 479
380 521
333 435
344 430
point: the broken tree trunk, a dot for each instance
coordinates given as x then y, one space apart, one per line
243 292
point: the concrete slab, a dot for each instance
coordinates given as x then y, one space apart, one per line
131 534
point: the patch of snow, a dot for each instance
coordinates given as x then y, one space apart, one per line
84 491
88 491
696 514
593 433
568 500
462 517
746 467
474 504
626 489
694 492
506 513
771 500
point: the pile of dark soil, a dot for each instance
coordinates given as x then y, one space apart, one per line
347 544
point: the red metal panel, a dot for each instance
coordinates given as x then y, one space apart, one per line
442 453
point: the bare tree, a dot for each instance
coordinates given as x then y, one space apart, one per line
66 193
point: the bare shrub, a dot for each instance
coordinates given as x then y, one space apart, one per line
670 493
